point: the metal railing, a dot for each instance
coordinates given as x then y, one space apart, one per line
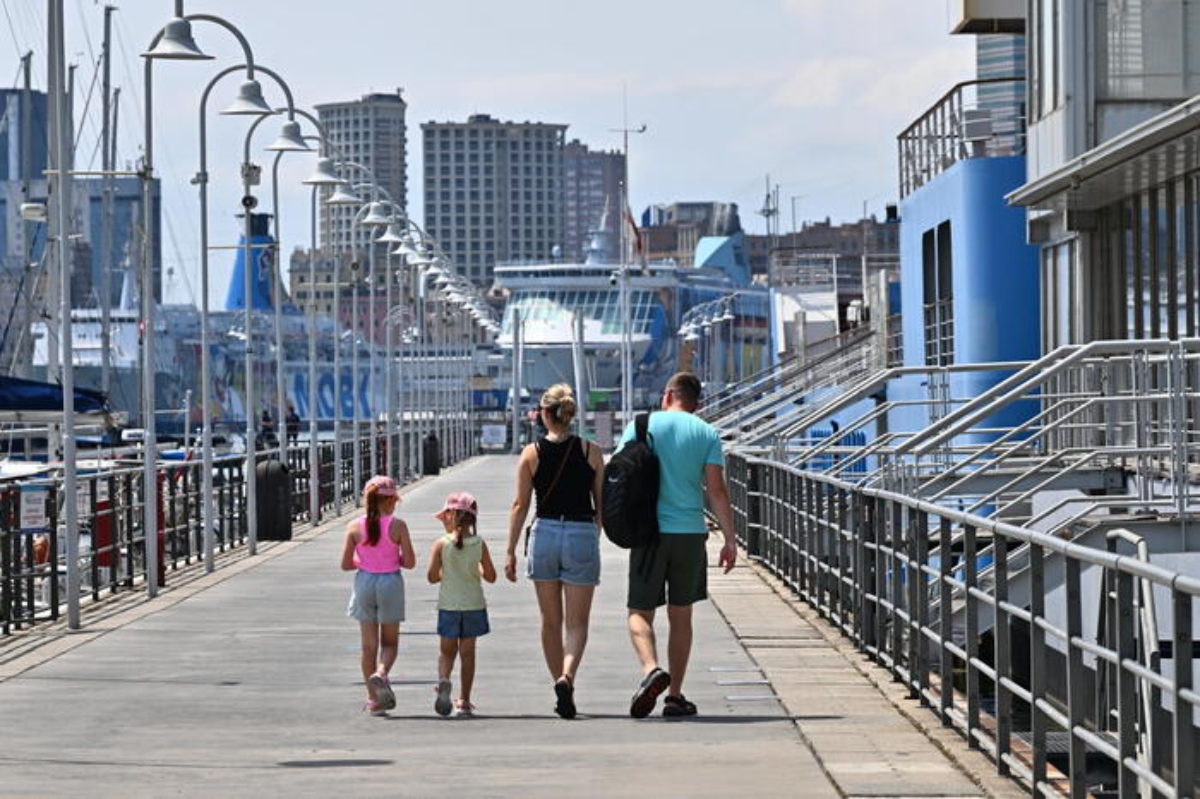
888 570
112 511
973 119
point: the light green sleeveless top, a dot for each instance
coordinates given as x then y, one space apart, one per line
461 587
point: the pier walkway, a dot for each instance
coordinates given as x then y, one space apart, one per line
244 682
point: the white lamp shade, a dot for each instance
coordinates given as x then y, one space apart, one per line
249 101
290 140
393 235
341 196
376 215
324 175
177 43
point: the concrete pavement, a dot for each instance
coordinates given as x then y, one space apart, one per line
245 682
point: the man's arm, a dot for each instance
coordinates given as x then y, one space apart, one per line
718 500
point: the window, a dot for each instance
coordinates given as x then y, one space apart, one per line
938 295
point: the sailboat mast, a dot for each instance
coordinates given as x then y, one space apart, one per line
106 161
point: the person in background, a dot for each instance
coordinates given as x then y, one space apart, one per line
291 424
377 548
674 570
563 547
460 561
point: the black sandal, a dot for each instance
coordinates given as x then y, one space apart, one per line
653 684
677 707
564 693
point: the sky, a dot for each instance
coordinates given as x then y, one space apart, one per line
806 96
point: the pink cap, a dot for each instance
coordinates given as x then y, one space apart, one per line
460 500
382 485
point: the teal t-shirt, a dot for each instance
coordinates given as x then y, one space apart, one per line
685 444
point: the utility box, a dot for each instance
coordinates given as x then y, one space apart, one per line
273 490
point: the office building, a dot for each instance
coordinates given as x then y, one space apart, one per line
593 183
369 132
494 192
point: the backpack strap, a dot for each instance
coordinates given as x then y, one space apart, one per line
641 427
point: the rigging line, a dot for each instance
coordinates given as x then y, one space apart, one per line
83 116
12 30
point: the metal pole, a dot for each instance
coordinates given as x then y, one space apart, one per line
276 294
337 378
357 438
23 365
61 221
251 444
580 378
372 323
314 477
517 379
106 189
150 448
389 339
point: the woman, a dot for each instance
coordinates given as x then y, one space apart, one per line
563 547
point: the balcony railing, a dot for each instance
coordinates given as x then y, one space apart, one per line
975 119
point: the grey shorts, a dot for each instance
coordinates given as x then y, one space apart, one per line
377 598
671 571
566 551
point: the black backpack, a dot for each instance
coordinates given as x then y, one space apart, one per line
631 491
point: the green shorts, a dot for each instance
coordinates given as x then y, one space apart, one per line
673 571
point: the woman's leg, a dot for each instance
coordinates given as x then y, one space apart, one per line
369 653
550 602
578 612
466 660
446 654
389 647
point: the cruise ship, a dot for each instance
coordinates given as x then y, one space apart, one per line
709 317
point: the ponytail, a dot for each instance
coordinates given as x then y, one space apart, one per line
374 528
463 521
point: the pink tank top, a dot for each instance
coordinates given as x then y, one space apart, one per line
384 557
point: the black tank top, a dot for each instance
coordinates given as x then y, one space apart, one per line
571 498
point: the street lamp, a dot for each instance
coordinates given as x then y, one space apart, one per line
339 197
206 448
173 42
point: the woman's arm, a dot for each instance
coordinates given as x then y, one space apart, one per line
348 564
596 461
520 508
487 569
435 561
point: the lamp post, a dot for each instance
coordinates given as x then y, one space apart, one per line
339 197
250 175
323 176
392 235
173 42
201 180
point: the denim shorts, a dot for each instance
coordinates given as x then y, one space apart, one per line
463 623
566 551
377 598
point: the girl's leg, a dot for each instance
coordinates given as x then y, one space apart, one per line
389 646
578 611
550 602
369 653
447 652
466 659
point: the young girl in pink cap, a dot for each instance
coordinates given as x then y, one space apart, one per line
378 547
459 562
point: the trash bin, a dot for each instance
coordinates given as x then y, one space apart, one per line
273 488
430 457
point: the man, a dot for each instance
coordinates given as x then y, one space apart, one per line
674 570
291 424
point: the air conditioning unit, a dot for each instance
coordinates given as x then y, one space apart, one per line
991 16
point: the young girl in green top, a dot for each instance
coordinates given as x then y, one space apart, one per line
459 561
